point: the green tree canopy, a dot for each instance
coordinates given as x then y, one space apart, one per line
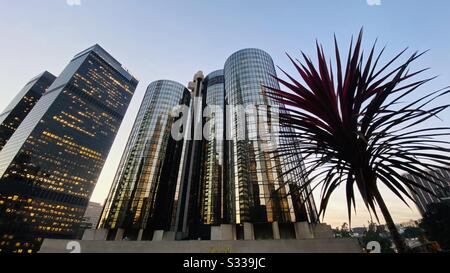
374 234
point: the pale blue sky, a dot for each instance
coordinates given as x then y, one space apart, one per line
168 39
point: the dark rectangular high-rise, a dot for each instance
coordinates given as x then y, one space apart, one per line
50 166
440 189
22 104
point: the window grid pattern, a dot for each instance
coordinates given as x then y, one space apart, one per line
143 188
50 166
212 202
423 198
22 104
257 190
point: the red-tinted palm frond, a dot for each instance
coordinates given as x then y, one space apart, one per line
354 129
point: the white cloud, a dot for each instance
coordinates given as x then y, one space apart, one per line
374 2
73 2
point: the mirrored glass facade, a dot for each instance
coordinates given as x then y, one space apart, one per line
22 104
257 191
142 198
186 186
50 166
212 164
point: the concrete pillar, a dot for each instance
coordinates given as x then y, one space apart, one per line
323 231
228 232
140 234
100 234
88 235
276 231
249 232
303 231
169 236
119 234
179 236
216 233
158 235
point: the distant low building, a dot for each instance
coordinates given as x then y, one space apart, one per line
359 231
382 228
410 224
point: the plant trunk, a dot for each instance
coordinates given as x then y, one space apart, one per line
396 237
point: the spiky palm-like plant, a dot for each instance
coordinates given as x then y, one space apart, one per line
356 127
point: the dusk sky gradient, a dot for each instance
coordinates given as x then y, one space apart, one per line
168 39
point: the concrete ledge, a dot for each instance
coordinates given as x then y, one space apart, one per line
345 245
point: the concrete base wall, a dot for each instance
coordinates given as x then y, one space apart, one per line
119 234
140 234
228 232
303 231
345 245
276 231
95 235
216 233
249 231
158 235
323 231
169 236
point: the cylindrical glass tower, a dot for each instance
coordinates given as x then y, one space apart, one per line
142 196
212 184
257 190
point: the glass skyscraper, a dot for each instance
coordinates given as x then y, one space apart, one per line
142 198
22 104
200 197
257 190
212 178
187 186
50 165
